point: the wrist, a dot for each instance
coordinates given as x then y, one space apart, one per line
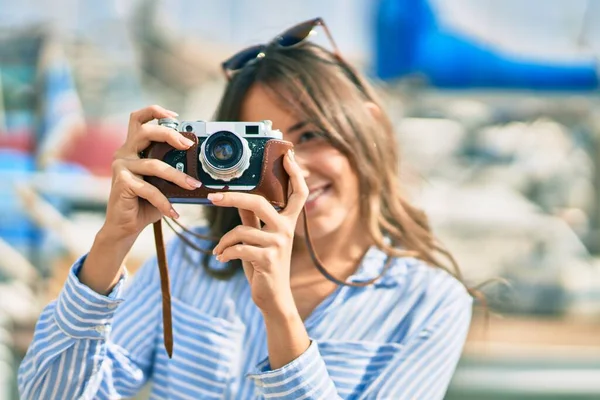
283 313
287 338
102 267
114 237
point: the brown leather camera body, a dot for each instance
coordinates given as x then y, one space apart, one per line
273 183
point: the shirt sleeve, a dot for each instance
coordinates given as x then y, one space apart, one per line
306 377
75 352
421 369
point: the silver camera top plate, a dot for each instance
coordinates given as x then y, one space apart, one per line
244 129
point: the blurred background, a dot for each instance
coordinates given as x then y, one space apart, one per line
496 109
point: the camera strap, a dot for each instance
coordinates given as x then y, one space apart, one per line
165 285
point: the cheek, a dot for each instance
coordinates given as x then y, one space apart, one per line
344 169
343 176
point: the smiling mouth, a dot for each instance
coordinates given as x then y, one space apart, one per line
315 194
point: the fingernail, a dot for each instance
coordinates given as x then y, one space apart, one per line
192 182
215 196
185 141
291 154
173 213
173 113
214 250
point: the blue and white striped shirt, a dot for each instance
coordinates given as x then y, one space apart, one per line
399 338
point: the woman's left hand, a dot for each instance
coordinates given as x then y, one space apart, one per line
265 252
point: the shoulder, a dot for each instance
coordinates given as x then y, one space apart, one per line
440 281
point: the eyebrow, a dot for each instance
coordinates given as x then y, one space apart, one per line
297 126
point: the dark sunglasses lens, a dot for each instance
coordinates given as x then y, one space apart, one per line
242 58
295 35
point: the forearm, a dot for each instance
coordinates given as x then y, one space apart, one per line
103 266
287 338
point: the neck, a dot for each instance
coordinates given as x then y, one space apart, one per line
340 251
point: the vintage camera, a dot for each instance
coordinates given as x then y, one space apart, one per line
226 156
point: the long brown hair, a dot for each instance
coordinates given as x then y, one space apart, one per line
324 90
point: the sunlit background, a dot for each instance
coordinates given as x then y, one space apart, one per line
496 109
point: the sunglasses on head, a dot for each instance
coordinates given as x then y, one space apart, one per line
291 37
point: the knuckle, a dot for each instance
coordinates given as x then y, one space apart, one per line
121 177
140 131
264 202
155 165
116 165
304 192
271 254
287 234
155 108
280 240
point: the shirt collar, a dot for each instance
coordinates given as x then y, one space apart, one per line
372 265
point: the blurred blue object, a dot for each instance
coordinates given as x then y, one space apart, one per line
62 117
410 41
15 226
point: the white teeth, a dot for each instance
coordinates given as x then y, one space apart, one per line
315 194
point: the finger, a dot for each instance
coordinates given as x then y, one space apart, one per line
245 235
251 202
160 169
299 188
149 113
156 133
249 218
243 252
149 192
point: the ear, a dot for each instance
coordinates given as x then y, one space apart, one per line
373 109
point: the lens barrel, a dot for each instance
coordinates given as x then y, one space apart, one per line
224 155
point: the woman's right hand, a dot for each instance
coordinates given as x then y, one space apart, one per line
134 203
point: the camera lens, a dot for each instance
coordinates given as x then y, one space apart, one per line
224 155
222 150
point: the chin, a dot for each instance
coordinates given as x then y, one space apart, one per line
319 226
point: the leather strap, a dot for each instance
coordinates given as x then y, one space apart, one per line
323 270
164 271
165 287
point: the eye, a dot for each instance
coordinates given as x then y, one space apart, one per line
308 136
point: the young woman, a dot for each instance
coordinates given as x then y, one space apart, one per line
257 318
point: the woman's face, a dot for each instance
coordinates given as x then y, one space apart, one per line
333 202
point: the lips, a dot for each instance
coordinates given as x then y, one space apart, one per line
315 194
